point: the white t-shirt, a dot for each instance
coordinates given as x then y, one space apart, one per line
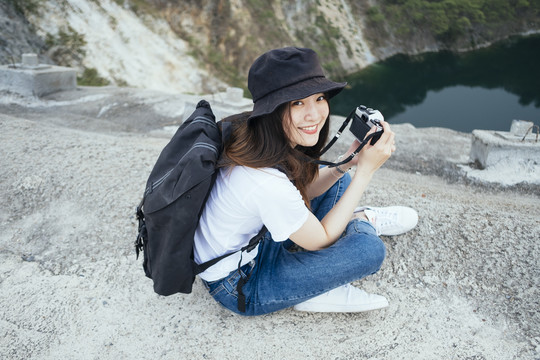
241 201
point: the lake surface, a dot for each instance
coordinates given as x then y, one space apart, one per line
482 89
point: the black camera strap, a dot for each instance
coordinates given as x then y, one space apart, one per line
335 138
348 158
338 134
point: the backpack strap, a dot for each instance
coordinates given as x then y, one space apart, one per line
253 242
243 280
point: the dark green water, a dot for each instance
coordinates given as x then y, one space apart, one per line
483 89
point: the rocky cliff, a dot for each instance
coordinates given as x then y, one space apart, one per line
201 45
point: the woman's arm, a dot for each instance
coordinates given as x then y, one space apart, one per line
329 175
326 178
315 234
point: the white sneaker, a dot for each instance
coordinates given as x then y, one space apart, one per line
346 298
392 220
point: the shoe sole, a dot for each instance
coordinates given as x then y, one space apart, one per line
340 308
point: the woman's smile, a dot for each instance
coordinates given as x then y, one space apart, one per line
311 129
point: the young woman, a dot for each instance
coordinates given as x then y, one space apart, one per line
267 179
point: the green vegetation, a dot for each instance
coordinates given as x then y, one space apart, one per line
222 54
25 7
374 15
227 71
375 21
90 77
140 7
449 20
267 24
66 47
326 44
263 9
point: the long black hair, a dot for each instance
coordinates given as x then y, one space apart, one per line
263 142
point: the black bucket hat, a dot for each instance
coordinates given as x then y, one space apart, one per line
282 75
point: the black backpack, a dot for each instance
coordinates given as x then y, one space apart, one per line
173 200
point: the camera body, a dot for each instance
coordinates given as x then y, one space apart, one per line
364 119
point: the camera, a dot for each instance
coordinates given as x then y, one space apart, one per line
363 120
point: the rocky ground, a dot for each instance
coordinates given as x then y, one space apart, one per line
462 285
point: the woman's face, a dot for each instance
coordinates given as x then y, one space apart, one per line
305 119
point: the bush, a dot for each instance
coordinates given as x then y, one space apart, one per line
449 19
90 77
25 7
67 47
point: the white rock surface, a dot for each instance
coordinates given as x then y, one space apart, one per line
462 285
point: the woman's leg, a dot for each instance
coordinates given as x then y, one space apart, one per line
280 279
322 204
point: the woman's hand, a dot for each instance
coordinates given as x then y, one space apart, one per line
315 234
387 134
371 157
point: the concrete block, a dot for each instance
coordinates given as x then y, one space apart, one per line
233 98
30 78
30 60
490 148
521 127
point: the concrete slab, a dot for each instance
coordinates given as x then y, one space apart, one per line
30 78
489 148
